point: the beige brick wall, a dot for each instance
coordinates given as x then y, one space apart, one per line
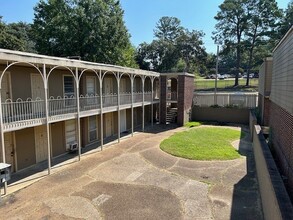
282 77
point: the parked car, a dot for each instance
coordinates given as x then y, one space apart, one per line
221 77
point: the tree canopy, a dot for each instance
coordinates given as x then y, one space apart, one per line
174 48
91 29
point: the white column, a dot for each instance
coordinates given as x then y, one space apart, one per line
46 82
143 79
118 99
78 113
101 106
152 102
132 80
2 138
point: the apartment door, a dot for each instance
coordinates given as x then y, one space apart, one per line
123 120
70 131
90 88
93 130
5 88
109 124
41 143
108 85
37 87
9 150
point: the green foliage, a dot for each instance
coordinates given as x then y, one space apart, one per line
91 29
203 143
192 124
246 25
175 48
15 36
287 20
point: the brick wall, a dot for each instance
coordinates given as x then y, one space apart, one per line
163 99
185 96
281 131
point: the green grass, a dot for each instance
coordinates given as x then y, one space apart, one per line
227 84
205 143
193 124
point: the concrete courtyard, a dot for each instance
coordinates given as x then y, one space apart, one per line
134 179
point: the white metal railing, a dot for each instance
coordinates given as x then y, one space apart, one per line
242 100
110 100
62 105
89 102
125 98
148 96
20 110
137 97
172 96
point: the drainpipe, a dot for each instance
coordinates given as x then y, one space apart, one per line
45 79
78 113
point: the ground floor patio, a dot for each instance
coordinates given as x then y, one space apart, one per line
134 179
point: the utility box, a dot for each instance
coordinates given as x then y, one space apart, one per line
5 172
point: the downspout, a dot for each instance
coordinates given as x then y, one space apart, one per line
78 113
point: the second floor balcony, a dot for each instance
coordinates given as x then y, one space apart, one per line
30 112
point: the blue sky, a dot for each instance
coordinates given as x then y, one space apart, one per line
141 16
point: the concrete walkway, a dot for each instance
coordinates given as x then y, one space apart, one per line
136 180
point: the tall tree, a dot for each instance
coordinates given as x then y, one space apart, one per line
174 48
263 17
91 29
168 29
287 21
15 36
232 21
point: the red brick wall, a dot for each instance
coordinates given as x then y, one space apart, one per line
185 96
163 99
281 131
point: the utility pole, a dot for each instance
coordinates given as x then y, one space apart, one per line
216 79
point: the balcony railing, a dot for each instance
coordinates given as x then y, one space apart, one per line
21 110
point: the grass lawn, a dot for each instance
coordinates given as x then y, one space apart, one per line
205 143
227 84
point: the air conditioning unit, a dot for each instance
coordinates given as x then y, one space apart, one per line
73 147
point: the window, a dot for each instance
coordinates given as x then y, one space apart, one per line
68 86
92 128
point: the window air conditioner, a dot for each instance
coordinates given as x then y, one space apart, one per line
73 147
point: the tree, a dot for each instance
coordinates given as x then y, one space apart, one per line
174 49
168 29
15 36
232 21
287 21
262 18
91 29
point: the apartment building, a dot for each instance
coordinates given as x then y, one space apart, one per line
277 108
52 105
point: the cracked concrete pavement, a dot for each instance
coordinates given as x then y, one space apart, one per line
134 179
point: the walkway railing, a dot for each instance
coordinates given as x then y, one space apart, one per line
21 110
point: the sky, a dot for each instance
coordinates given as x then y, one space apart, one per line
141 16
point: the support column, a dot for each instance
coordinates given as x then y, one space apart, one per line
118 99
132 79
101 106
143 79
78 113
46 82
152 102
2 138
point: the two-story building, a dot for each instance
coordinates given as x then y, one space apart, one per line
52 105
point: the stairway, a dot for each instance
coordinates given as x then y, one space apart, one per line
171 116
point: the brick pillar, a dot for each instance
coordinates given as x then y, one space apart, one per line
163 99
185 96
